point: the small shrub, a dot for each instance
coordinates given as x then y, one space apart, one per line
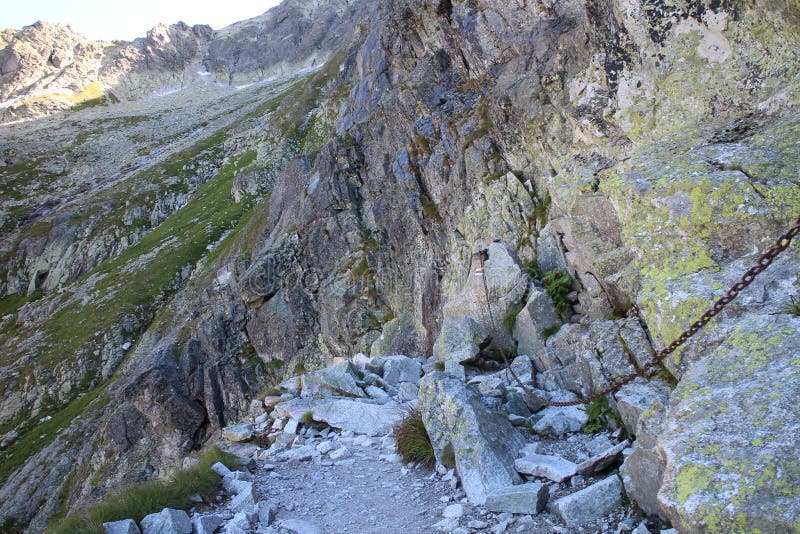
558 284
137 501
793 308
413 443
300 369
531 268
509 320
439 366
548 332
600 413
307 418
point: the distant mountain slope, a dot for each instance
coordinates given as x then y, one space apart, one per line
46 68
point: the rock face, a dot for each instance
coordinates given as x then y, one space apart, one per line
164 260
732 465
460 425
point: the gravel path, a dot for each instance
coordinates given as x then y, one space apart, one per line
369 491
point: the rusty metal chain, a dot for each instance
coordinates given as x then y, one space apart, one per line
763 262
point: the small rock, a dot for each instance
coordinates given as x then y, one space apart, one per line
377 393
602 461
206 524
167 521
492 387
477 524
398 369
238 433
530 498
516 420
340 453
555 468
407 392
298 526
239 524
446 525
577 480
453 511
589 503
325 447
291 426
556 421
598 444
126 526
220 469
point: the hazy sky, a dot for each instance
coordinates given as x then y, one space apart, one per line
127 20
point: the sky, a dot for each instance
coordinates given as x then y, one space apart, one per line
126 20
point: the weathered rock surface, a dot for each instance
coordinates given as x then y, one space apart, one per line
327 382
647 149
536 319
168 521
728 442
364 417
555 468
126 526
482 444
460 340
556 421
397 369
589 503
530 498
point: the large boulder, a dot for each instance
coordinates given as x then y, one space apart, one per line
397 369
398 336
330 381
535 322
583 358
643 470
361 416
633 399
507 284
731 434
460 340
483 444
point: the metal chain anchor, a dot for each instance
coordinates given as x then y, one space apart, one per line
763 262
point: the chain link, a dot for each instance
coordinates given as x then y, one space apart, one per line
763 262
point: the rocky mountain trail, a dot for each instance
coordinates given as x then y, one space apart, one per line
318 473
175 241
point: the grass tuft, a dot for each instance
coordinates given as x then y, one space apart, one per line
439 366
135 502
793 308
600 414
413 443
558 284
